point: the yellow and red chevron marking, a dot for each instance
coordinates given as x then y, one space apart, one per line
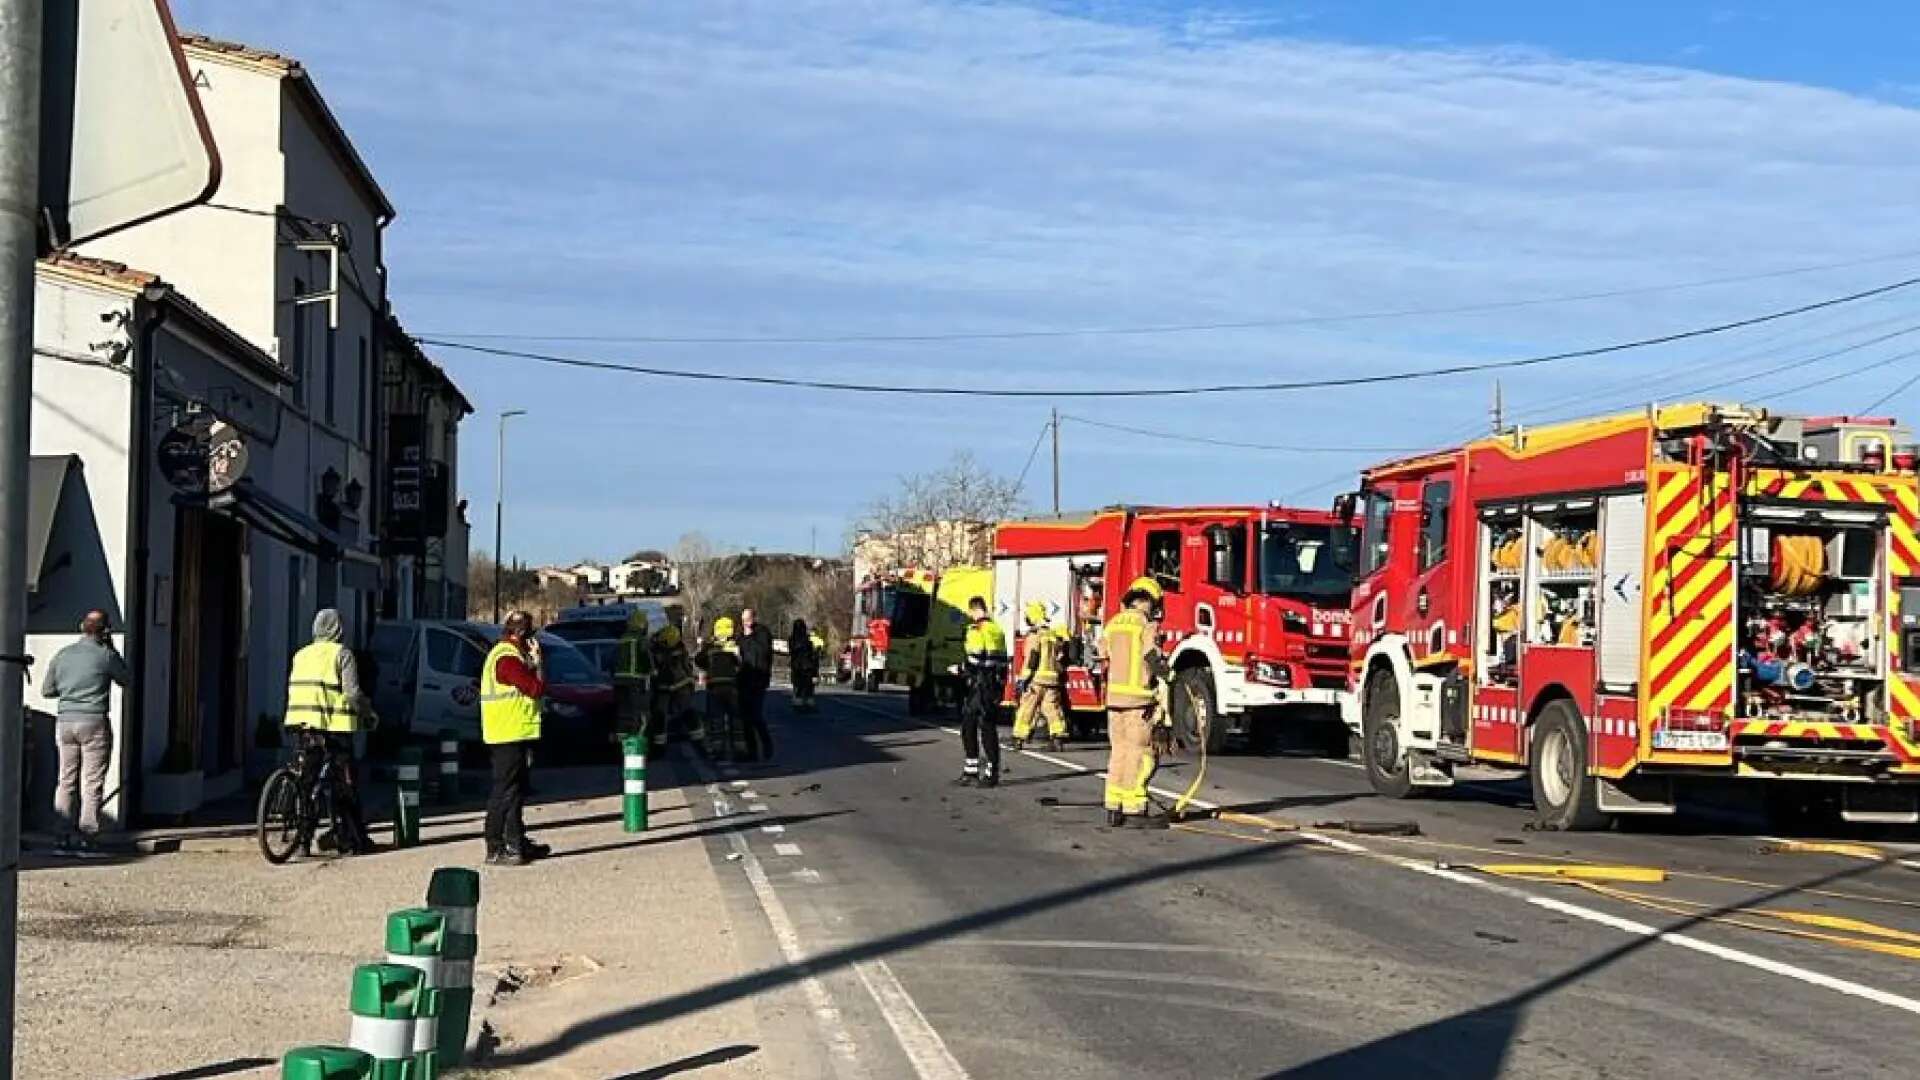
1793 729
1690 592
1900 494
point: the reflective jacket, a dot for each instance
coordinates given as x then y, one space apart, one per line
634 659
721 661
316 697
1043 656
1134 663
507 714
986 644
671 664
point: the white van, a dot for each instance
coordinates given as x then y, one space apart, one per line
427 676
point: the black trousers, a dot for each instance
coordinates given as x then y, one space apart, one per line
506 803
980 719
753 710
349 822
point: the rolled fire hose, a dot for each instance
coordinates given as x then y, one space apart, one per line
1798 566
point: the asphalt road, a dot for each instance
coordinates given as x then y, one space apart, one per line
943 932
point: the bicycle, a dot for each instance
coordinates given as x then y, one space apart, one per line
290 810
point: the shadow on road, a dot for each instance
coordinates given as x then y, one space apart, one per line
224 1068
1473 1045
707 997
718 1056
743 821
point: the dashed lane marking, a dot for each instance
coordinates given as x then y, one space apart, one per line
775 830
787 851
757 808
1628 926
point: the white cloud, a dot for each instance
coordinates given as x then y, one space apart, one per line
796 166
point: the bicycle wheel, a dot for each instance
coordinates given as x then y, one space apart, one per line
279 821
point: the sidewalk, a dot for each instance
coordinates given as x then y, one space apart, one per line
209 962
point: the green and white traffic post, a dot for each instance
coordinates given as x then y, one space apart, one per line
633 798
448 790
454 893
325 1063
406 807
414 939
383 1001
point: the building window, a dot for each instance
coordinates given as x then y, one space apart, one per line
333 383
363 394
299 345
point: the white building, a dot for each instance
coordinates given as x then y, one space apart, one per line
285 260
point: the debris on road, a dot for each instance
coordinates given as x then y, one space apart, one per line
1497 939
1373 828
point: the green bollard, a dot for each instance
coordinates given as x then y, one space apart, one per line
325 1063
384 997
449 767
414 939
406 809
633 799
454 893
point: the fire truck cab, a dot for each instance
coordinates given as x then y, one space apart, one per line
1256 606
1624 605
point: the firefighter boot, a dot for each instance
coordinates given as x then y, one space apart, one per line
1016 743
1055 745
1115 819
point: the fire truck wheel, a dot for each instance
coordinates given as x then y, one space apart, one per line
1194 713
1386 763
1565 795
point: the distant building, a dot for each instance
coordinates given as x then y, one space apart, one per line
934 546
424 532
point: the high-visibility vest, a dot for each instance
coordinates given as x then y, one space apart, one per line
723 662
506 714
819 644
1043 656
1125 642
674 668
986 644
635 663
315 697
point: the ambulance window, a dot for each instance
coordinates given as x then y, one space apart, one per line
1436 502
1163 558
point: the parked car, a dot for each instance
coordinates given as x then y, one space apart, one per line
428 680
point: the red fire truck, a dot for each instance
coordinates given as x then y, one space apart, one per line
1625 605
1256 606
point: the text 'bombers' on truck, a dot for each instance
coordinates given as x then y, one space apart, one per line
1256 606
1626 604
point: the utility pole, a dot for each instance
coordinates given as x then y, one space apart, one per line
1497 414
1056 462
500 502
19 242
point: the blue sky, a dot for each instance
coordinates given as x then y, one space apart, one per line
783 168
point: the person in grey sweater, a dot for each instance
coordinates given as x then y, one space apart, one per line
81 678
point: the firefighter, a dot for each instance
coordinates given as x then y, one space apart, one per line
719 657
632 679
1041 695
1135 727
671 712
986 670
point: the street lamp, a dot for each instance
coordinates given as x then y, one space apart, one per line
499 502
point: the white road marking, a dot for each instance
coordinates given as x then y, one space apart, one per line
775 830
757 808
738 785
1628 926
840 1041
786 850
925 1050
749 795
807 875
1107 946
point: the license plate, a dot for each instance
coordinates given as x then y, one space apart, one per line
1696 741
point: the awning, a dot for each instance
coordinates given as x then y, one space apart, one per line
272 516
46 481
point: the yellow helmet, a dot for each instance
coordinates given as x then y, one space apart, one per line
669 635
723 627
1148 587
1036 613
637 620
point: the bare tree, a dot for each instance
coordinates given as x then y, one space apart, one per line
941 518
519 586
709 580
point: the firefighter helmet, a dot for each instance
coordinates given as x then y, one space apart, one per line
723 628
1036 613
1147 587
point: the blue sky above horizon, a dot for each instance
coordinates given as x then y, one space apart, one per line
694 168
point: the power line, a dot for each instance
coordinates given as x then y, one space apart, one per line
1233 444
1891 394
1033 453
1849 373
1173 391
1171 328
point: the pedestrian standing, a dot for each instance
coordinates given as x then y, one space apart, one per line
81 678
671 710
1135 668
1042 697
803 665
756 675
511 686
986 674
632 680
719 657
325 705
